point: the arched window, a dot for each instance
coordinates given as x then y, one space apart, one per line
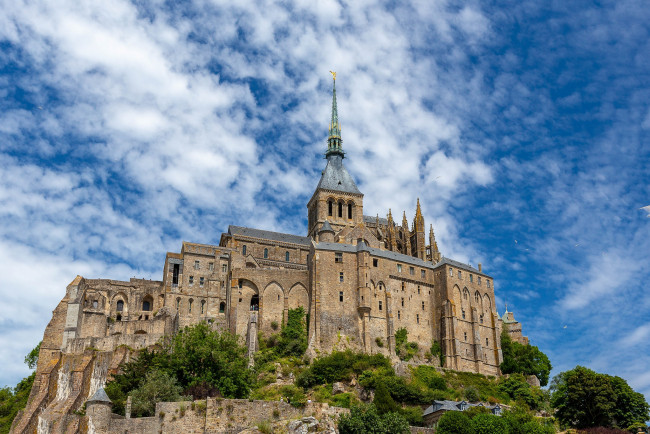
349 211
266 253
146 305
340 209
222 307
120 306
255 302
189 309
477 297
286 256
243 250
329 207
202 307
119 317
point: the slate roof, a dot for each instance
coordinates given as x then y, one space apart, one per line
456 406
326 227
100 396
268 235
373 219
457 264
362 247
336 177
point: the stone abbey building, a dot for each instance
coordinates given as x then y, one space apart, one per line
360 278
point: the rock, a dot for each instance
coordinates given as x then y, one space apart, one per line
338 388
533 380
303 426
353 382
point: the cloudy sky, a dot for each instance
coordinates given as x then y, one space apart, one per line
522 126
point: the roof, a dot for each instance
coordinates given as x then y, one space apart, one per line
447 261
100 396
362 247
268 235
336 177
455 406
326 227
373 219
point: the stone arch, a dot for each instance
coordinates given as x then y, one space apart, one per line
457 297
298 297
120 296
478 301
381 286
487 304
272 308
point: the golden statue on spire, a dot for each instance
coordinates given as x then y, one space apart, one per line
333 74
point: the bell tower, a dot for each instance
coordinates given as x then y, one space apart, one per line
337 199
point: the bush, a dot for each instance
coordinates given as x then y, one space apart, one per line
383 401
454 422
403 348
524 359
366 419
340 366
157 386
293 337
472 394
489 424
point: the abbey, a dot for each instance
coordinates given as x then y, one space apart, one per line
360 278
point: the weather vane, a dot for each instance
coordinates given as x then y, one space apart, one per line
333 74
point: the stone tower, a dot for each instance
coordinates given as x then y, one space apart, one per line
337 198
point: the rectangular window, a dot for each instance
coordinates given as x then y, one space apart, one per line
341 296
479 280
341 276
402 301
201 281
340 209
471 277
350 211
418 289
423 274
417 318
224 268
460 275
487 342
379 304
175 273
451 272
329 205
487 282
411 271
196 265
465 336
399 268
422 305
243 250
240 283
338 257
211 266
375 262
399 314
191 280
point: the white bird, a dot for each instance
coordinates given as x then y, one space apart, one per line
646 209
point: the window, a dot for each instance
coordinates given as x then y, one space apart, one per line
418 289
402 301
463 312
178 303
399 314
379 304
222 307
403 286
487 342
266 253
95 304
375 262
340 209
243 250
224 268
341 276
349 211
286 256
211 266
120 306
399 268
411 271
487 283
202 307
460 274
451 272
201 281
481 319
417 318
191 280
423 274
146 305
465 295
189 308
422 305
476 297
471 277
240 283
341 296
479 280
175 272
196 265
338 257
329 206
465 336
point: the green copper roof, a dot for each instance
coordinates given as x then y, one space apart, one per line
334 141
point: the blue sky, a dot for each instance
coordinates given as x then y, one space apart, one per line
522 126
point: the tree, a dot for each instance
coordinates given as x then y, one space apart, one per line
383 401
489 424
454 422
525 359
31 359
365 419
158 386
12 400
293 338
584 398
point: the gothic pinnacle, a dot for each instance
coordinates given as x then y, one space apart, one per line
334 140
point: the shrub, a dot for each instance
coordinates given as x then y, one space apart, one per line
472 394
339 366
454 422
379 342
366 419
489 424
383 401
157 386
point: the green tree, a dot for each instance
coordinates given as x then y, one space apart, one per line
525 359
158 386
584 398
12 400
293 338
31 359
366 419
489 424
454 422
383 401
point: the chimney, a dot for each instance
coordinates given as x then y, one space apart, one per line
480 268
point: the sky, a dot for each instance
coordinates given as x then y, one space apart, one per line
522 126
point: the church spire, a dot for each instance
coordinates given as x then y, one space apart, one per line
334 140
